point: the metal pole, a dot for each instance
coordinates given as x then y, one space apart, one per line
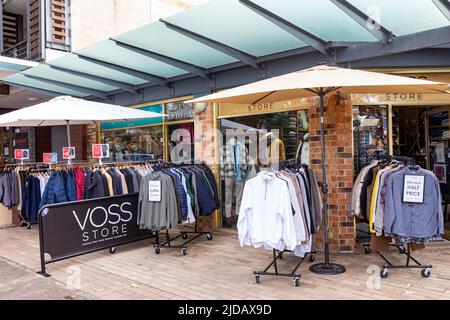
327 267
69 140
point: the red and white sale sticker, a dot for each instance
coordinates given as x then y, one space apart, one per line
69 153
100 151
22 154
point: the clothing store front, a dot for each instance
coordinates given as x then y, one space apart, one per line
153 139
414 127
287 120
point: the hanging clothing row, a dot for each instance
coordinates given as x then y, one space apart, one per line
31 188
281 210
171 194
396 205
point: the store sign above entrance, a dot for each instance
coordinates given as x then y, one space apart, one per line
242 110
400 99
180 111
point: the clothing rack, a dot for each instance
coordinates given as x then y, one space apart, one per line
183 234
384 273
278 255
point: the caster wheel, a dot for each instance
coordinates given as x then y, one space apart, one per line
157 250
209 237
184 251
367 250
426 273
112 250
312 258
258 279
29 227
296 281
184 236
384 273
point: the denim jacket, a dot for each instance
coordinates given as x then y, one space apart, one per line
418 220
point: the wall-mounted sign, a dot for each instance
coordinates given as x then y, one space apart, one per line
413 188
440 171
100 151
22 154
234 110
50 158
180 111
68 153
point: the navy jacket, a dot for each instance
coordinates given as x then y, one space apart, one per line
71 189
55 191
94 187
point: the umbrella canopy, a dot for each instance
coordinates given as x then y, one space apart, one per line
306 83
65 109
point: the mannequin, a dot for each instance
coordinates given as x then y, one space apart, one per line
235 170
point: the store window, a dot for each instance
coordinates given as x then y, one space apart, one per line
140 144
241 162
370 134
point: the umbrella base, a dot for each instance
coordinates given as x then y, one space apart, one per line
327 268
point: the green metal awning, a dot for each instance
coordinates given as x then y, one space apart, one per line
225 34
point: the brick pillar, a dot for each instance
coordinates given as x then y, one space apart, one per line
339 166
91 138
205 151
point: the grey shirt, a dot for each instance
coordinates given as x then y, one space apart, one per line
418 220
156 215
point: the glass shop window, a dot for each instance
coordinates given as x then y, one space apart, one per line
370 134
140 144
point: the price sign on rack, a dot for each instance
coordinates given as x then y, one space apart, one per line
22 154
68 153
50 158
100 151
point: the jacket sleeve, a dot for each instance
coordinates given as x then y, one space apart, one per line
439 207
244 220
172 207
389 211
289 235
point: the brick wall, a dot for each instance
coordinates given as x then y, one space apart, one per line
205 151
91 138
339 161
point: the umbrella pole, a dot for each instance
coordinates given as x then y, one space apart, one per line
69 141
326 268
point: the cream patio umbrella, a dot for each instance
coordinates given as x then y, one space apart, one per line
319 81
66 110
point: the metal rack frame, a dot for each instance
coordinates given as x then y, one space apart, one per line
184 235
384 273
278 255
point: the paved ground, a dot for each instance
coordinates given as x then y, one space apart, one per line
220 269
20 283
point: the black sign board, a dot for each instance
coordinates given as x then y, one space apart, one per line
71 229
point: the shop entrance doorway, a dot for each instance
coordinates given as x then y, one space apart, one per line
423 133
292 140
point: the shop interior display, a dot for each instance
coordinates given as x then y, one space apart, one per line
142 144
292 128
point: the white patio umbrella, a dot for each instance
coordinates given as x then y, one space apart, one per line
66 110
319 81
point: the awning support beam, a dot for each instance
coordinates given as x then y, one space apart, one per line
307 37
375 28
196 70
135 73
38 90
232 52
94 93
410 42
109 82
444 6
